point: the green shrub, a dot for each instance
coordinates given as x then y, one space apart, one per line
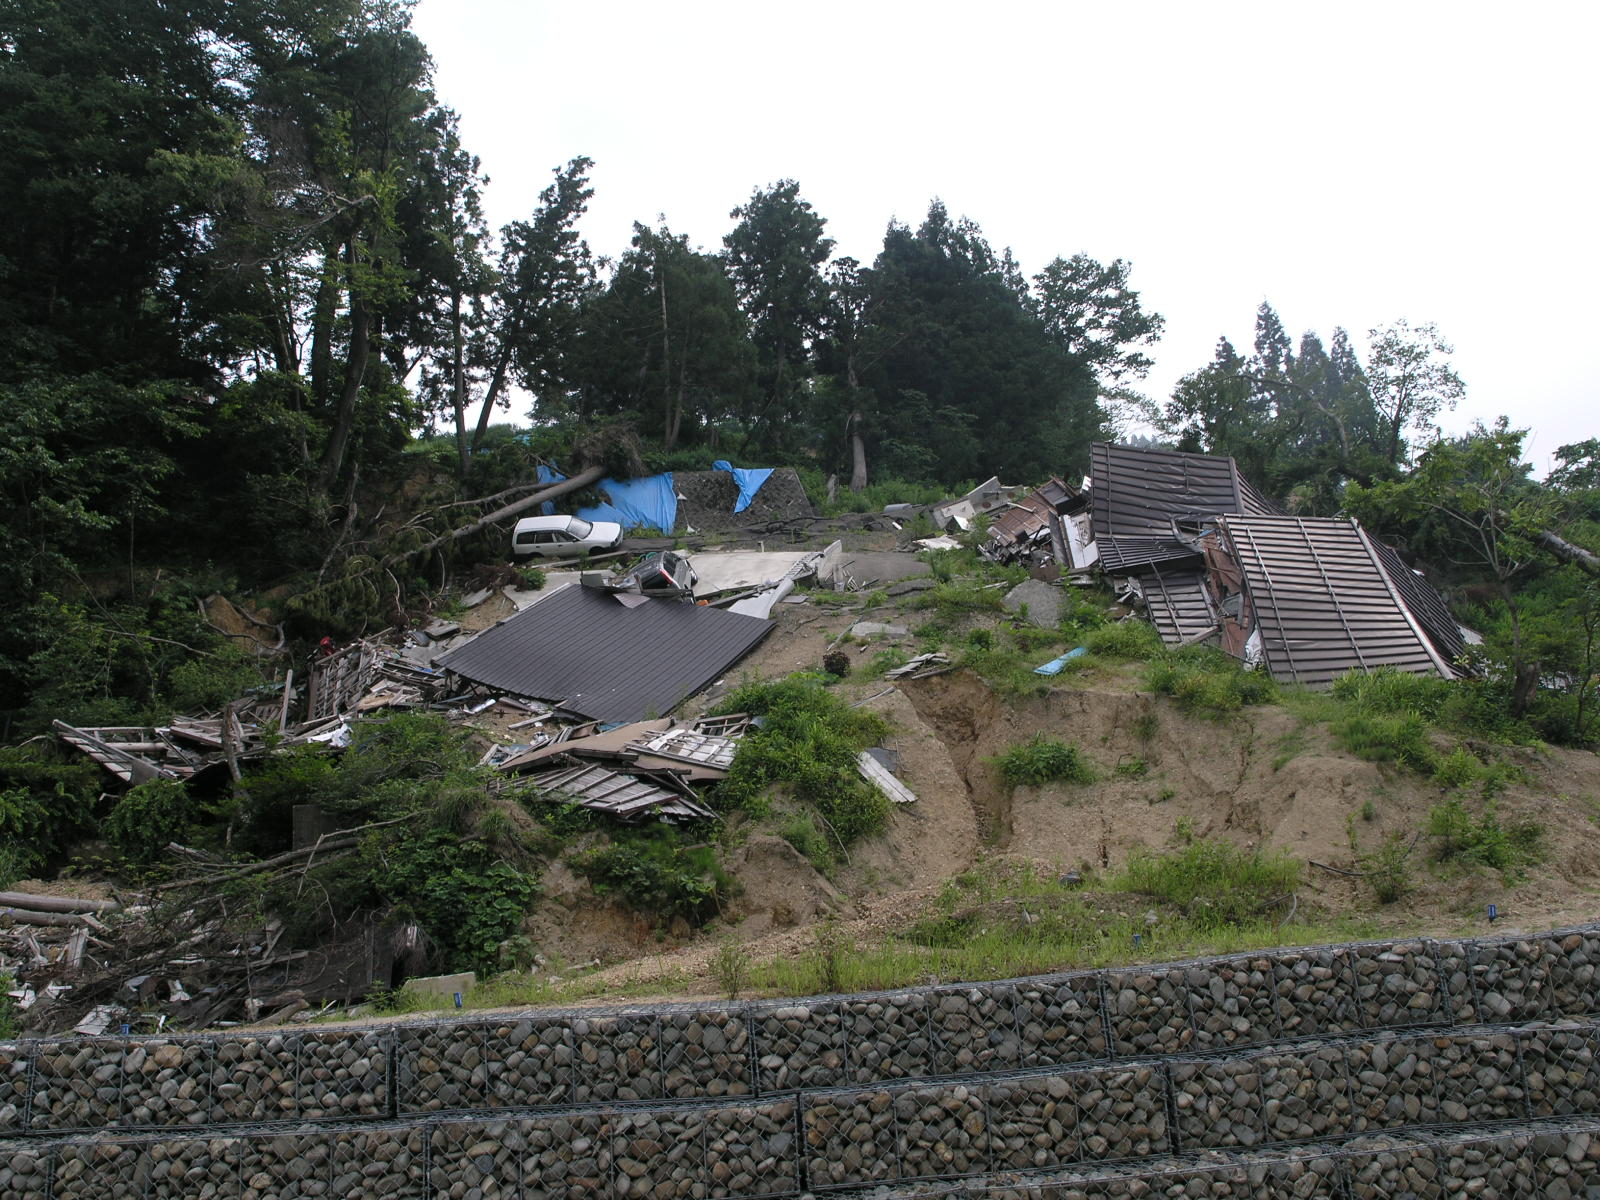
149 816
657 874
1214 882
532 578
800 831
1508 849
1386 868
1124 641
1456 769
1206 682
1399 739
44 804
1042 759
807 742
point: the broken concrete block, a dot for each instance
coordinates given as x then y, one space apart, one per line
441 985
868 629
1043 601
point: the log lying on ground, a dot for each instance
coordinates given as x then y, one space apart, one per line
29 916
56 904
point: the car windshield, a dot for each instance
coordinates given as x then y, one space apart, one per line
580 528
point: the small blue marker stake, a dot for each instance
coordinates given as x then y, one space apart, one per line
124 1030
1138 940
1493 913
458 999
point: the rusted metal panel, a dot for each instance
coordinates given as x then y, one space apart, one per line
1322 601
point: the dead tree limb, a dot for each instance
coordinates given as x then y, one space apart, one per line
1577 555
579 481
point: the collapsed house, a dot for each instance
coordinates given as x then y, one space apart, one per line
1305 598
1210 559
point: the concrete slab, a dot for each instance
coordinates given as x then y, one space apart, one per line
725 570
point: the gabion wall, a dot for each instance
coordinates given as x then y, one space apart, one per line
883 1135
753 1049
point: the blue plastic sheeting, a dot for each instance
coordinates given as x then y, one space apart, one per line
648 503
749 481
1053 667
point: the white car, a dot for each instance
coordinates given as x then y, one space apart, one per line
560 537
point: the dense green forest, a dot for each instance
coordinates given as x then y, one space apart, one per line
259 335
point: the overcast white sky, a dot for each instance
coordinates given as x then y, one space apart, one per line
1352 163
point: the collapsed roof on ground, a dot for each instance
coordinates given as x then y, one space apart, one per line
583 651
1145 503
1309 598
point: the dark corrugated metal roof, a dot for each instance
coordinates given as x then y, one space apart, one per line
1425 603
581 649
1179 603
1322 601
1137 494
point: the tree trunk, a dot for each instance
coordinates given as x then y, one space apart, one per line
581 480
1564 549
458 378
350 395
858 454
323 315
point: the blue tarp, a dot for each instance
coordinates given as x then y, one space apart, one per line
648 503
749 481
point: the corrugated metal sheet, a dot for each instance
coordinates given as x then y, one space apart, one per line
1138 494
584 651
1322 601
1179 603
1425 603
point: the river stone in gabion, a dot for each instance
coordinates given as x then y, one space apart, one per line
1218 1103
974 1029
1315 993
943 1131
286 1165
1060 1022
1566 1163
1392 1083
476 1158
529 1062
192 1168
441 1067
1234 1002
704 1053
1305 1093
1513 979
618 1058
98 1170
76 1085
254 1079
661 1153
1408 1171
167 1082
567 1158
1149 1011
1500 1167
343 1074
887 1037
24 1171
1033 1123
851 1138
1397 985
799 1045
14 1065
1480 1078
1559 1071
752 1150
383 1164
1575 973
1122 1112
1454 960
1297 1176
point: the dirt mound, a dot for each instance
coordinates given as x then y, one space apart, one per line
706 500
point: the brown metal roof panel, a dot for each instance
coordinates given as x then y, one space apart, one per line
1178 603
1322 601
582 650
1425 603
